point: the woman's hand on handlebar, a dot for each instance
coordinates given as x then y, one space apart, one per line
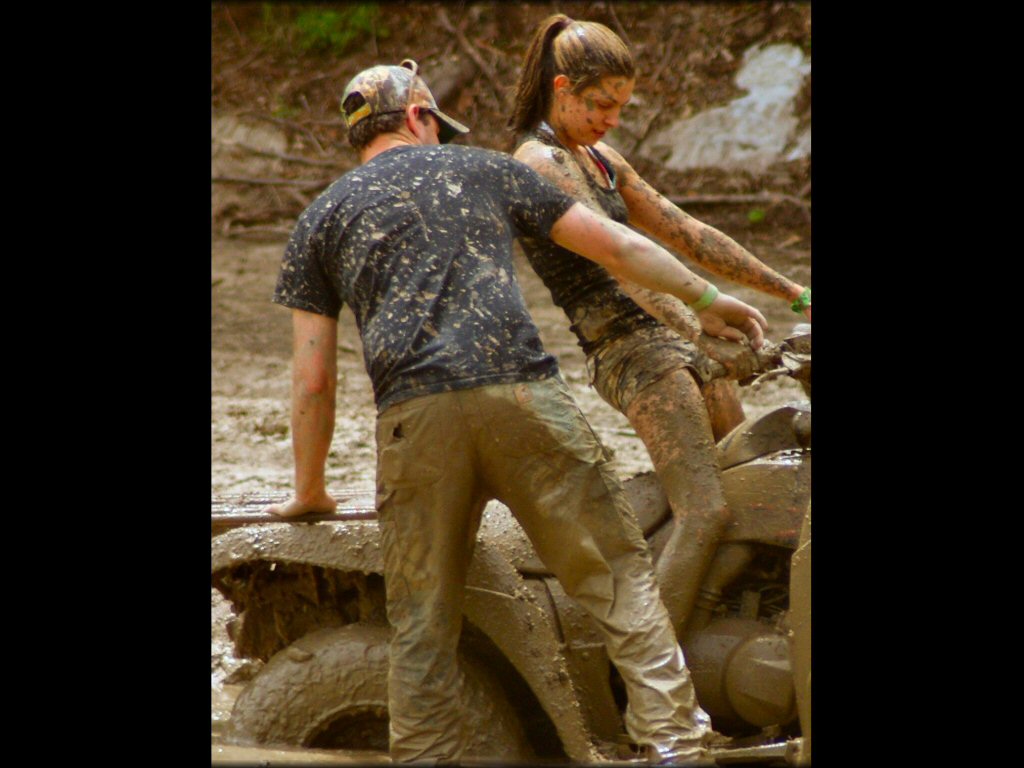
737 360
729 318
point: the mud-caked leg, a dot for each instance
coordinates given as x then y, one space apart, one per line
724 408
670 417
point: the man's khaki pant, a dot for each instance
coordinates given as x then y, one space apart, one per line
441 458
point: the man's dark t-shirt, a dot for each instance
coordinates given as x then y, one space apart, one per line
418 242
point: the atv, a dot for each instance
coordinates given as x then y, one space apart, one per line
309 601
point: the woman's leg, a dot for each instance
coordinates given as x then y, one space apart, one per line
724 407
670 417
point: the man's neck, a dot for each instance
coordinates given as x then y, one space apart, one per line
383 143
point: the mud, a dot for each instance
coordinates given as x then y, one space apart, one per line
232 754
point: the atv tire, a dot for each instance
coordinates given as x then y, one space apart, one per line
328 690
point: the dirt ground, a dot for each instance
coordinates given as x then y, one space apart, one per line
251 337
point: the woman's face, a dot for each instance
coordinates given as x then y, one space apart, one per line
587 116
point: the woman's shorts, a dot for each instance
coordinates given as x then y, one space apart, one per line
625 366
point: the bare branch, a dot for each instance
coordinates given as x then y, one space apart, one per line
280 155
618 25
768 198
760 197
743 17
301 183
231 21
240 65
669 50
291 124
473 53
257 233
642 135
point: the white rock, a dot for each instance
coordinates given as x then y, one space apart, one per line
751 132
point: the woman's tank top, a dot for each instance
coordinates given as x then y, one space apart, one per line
596 306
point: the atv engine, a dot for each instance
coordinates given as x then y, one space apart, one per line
737 647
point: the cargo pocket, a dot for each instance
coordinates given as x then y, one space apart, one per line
408 455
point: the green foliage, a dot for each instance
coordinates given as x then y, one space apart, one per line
756 216
276 23
285 111
332 30
319 29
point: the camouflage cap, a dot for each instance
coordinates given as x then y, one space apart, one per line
389 89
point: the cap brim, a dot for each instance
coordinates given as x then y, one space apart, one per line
449 127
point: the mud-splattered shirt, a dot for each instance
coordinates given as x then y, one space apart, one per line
418 242
597 307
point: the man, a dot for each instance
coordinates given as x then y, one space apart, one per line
418 242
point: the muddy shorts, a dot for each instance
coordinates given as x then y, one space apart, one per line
441 458
624 367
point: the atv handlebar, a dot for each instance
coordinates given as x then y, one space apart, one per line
791 357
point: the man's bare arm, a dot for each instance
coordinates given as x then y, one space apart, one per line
629 255
667 309
314 384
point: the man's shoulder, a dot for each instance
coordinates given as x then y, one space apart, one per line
490 169
474 155
351 181
430 158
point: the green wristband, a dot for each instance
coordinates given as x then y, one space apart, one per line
803 301
706 299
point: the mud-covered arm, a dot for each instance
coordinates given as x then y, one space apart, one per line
627 254
314 384
557 166
654 214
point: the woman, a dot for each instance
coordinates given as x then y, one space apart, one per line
576 78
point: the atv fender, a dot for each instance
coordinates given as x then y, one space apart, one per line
767 498
787 427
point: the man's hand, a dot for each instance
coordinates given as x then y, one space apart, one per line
322 503
729 318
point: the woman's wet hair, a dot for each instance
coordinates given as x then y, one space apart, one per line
583 51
